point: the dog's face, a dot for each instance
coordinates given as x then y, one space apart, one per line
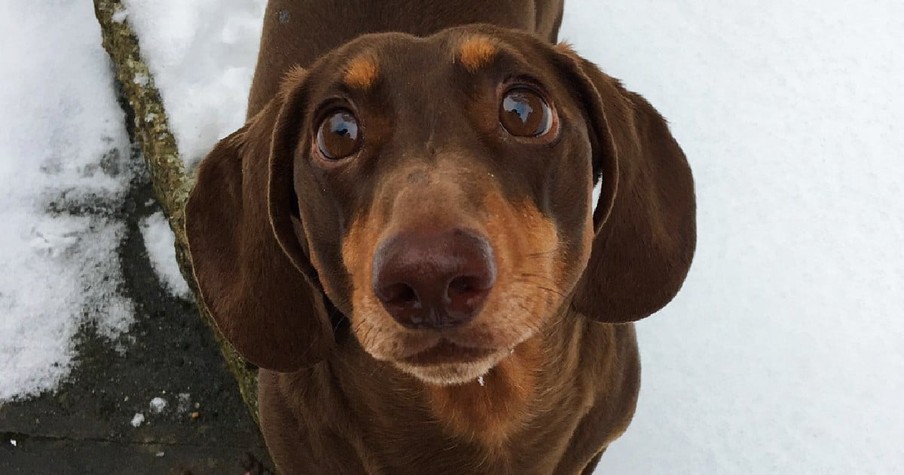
437 192
444 188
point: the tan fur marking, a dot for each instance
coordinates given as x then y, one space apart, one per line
490 413
475 52
357 249
534 268
361 72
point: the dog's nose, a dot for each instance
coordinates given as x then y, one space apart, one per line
435 280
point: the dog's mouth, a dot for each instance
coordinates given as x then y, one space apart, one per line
448 363
447 352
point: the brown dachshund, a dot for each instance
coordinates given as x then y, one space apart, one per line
403 238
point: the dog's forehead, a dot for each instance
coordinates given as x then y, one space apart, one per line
394 59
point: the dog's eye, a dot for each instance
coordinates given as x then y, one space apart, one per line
338 135
523 113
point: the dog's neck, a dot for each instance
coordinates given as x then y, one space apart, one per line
491 409
496 408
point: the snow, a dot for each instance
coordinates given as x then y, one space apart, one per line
183 403
202 55
62 147
137 420
160 243
157 405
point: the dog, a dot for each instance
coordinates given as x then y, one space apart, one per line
403 237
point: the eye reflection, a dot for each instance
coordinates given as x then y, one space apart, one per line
523 113
337 136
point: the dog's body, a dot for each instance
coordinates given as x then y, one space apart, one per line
318 251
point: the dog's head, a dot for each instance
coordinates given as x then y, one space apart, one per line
437 193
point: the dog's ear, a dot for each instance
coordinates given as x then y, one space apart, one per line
644 220
261 290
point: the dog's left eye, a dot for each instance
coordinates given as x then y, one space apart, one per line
337 136
523 113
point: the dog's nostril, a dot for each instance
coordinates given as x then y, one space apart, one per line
464 287
465 294
400 294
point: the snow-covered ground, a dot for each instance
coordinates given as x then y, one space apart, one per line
784 353
160 244
63 146
64 172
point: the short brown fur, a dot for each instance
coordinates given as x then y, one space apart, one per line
283 243
291 79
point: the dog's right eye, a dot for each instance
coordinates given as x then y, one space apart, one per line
524 113
337 136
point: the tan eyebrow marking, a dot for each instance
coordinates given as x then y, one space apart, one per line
361 72
476 51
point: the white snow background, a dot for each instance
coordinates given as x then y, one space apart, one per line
784 352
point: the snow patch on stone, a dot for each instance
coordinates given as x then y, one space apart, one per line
160 243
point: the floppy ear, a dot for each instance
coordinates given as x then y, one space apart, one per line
645 220
256 290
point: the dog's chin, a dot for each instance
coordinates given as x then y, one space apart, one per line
452 373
